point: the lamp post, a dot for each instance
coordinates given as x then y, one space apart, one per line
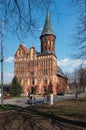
2 59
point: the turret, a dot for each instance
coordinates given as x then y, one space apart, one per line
47 37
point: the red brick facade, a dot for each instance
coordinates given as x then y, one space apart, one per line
39 71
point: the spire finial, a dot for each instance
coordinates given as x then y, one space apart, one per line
48 15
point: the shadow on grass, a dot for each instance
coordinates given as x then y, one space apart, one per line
36 118
58 118
8 107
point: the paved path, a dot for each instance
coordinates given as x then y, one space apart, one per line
24 101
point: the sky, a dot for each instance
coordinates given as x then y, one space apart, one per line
63 25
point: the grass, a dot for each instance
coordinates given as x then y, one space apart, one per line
8 108
75 108
70 114
18 97
80 99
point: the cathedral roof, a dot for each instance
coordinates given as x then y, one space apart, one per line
37 52
47 26
24 48
60 72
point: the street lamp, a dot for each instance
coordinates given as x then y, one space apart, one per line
2 59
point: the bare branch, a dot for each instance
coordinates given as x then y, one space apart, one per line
80 36
21 15
16 3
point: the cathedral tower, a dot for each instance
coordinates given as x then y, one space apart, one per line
47 37
38 72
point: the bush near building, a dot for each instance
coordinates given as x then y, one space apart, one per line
16 88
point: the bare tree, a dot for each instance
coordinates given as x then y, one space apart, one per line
79 79
81 72
22 16
80 35
75 82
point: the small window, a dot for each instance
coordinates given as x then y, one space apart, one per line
32 81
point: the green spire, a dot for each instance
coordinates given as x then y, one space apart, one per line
47 26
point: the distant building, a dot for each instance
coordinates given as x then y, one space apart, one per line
39 71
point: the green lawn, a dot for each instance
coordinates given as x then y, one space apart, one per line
64 115
8 107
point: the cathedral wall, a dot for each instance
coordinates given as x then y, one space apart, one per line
61 85
37 72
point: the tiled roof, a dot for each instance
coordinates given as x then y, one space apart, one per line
60 72
47 26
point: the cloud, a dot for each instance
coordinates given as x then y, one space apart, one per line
64 62
40 29
10 59
8 76
24 44
69 65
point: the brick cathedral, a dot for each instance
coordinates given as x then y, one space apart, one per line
39 71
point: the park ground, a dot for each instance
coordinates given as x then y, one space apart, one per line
63 115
